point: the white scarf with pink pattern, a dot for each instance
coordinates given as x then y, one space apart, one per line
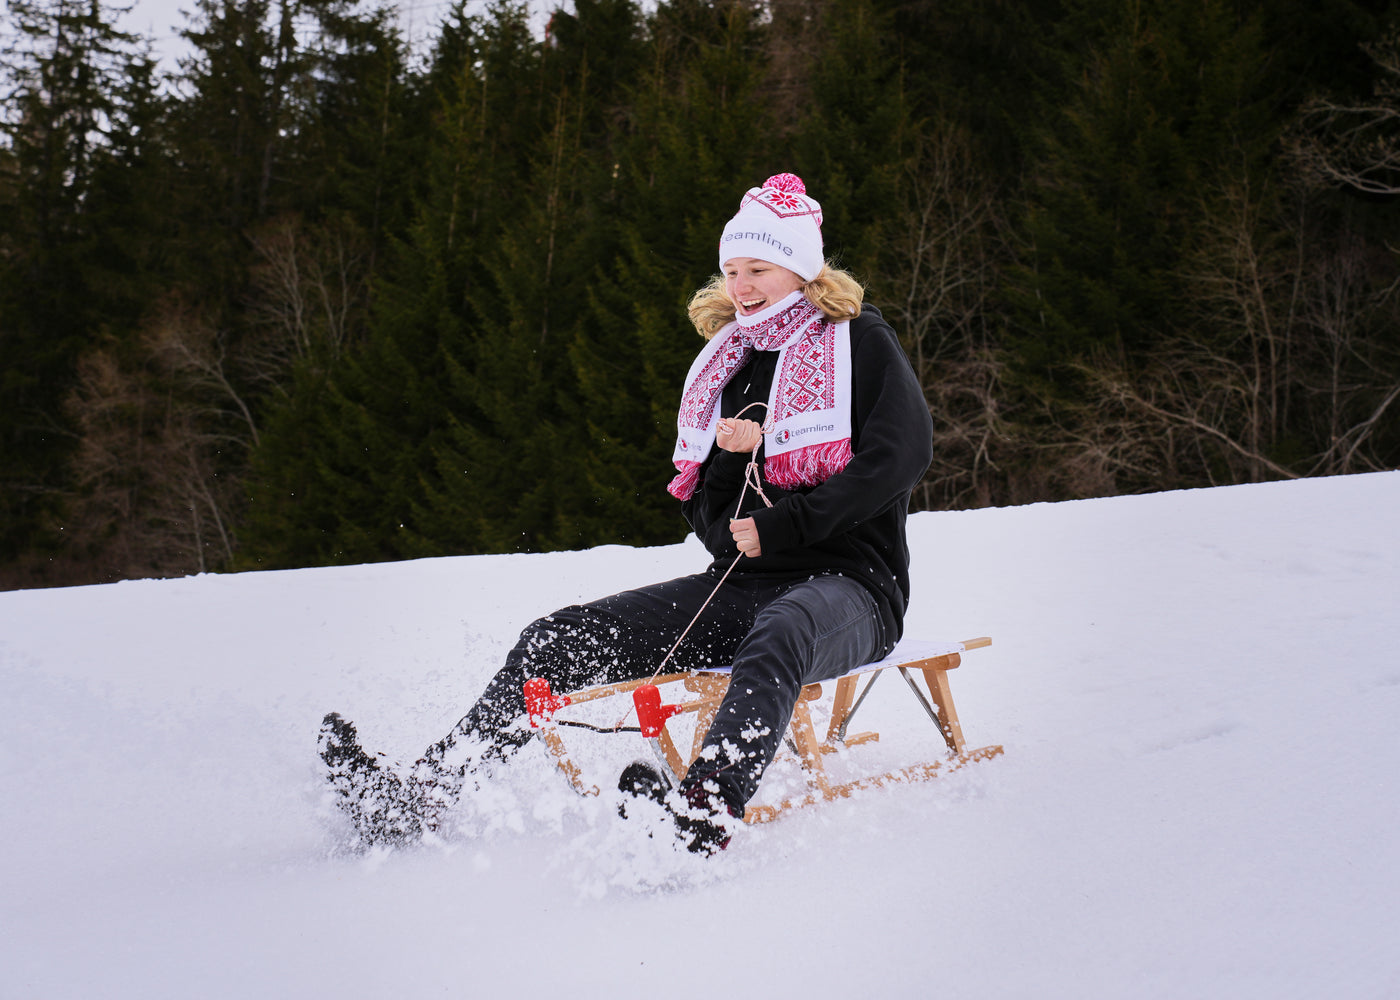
807 428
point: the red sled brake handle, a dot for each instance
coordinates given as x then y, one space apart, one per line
651 714
541 703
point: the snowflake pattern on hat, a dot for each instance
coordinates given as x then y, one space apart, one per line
786 197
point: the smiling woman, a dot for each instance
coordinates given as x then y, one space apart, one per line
810 570
769 251
753 284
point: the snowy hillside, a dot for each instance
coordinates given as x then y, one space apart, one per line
1199 696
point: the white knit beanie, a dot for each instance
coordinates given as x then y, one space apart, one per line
779 223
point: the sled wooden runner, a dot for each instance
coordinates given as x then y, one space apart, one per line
931 660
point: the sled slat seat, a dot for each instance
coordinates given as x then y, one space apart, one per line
932 659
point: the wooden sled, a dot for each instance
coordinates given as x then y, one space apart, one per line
706 688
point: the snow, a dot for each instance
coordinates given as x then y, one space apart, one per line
1197 693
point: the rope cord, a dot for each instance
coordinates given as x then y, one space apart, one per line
751 478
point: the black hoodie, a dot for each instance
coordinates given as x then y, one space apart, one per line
853 523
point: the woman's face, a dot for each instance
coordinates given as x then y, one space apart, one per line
753 284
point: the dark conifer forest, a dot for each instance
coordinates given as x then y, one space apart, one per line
319 298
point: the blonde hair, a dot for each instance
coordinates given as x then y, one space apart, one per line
833 291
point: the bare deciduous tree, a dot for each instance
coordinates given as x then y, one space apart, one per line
309 294
942 262
1274 370
1350 376
152 501
166 427
1355 145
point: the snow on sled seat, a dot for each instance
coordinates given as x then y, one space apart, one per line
932 659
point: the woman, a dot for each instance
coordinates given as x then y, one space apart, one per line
798 369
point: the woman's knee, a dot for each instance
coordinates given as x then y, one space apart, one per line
569 646
815 631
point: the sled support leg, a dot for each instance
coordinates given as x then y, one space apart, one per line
942 694
843 709
552 741
710 688
808 747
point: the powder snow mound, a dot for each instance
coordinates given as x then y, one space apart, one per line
634 856
1196 692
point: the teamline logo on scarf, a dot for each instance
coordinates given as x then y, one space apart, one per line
808 427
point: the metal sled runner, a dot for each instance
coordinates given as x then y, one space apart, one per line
705 690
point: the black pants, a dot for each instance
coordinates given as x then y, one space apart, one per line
778 635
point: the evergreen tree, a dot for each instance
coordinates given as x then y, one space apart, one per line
689 155
341 471
854 136
233 133
1165 97
363 137
988 67
78 92
509 468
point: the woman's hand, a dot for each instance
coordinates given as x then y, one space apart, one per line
738 435
745 534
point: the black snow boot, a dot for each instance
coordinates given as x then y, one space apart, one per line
385 807
641 781
703 822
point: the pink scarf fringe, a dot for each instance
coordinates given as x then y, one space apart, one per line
683 486
802 467
807 466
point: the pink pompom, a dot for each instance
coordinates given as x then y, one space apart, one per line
786 182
